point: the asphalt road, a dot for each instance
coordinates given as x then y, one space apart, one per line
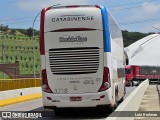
36 105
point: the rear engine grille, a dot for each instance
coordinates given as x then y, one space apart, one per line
74 60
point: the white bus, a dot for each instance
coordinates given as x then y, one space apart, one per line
82 58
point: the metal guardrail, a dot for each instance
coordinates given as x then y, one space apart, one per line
11 84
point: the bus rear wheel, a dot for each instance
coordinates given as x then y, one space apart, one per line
106 109
58 111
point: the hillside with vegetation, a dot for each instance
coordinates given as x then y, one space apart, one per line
131 37
18 46
5 30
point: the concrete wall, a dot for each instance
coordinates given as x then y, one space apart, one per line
16 93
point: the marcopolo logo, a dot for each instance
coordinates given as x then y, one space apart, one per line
72 39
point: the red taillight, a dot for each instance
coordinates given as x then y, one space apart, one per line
106 80
45 86
49 98
103 96
42 49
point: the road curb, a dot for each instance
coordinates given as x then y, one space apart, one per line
15 100
131 103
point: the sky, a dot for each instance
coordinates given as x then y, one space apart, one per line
132 15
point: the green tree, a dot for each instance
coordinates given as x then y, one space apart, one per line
131 37
29 32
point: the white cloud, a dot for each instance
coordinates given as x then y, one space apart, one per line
39 4
147 10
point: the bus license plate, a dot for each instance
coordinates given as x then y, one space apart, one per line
75 98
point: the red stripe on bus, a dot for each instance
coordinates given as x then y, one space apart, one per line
73 29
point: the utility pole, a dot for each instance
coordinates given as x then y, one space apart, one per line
2 52
33 53
2 49
33 44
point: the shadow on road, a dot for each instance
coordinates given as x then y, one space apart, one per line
72 114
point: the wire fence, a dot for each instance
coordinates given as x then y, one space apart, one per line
11 84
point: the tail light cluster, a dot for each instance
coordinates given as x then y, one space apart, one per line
45 86
106 80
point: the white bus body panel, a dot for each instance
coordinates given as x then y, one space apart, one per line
85 86
59 18
88 99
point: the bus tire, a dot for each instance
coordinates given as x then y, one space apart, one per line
58 112
116 96
121 100
133 84
106 109
111 108
130 83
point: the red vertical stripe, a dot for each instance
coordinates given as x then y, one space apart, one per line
42 48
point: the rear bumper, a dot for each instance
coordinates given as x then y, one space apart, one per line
88 100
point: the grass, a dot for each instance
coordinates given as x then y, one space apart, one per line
20 48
